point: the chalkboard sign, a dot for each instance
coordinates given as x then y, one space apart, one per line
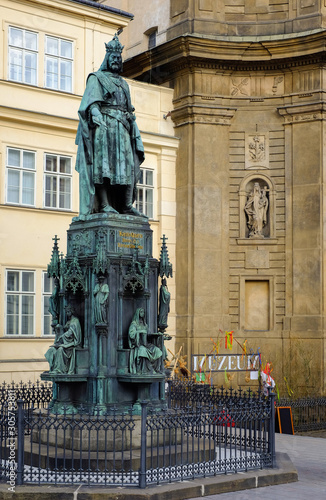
283 420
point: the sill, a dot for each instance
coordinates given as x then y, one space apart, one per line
18 205
19 337
38 87
257 242
42 209
52 209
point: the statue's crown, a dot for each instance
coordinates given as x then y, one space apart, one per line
114 45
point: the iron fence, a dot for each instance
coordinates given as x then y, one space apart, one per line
33 394
228 434
309 414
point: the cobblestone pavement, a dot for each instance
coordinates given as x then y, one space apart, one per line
308 455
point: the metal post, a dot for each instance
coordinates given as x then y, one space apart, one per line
169 392
271 437
142 471
20 442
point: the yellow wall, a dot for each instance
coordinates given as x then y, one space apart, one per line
45 121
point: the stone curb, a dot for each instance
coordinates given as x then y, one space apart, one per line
284 472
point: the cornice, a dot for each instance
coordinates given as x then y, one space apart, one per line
297 113
190 52
87 9
38 119
194 113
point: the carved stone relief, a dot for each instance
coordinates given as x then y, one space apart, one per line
256 151
240 86
256 86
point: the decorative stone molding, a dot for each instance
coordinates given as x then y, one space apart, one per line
199 114
303 112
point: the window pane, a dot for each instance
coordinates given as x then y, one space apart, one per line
27 281
12 325
30 68
65 165
13 281
28 189
13 157
51 77
28 160
27 322
64 201
13 186
149 203
30 40
50 191
27 305
12 314
52 46
66 49
16 37
47 284
51 163
140 205
65 75
141 178
15 65
47 330
13 304
149 177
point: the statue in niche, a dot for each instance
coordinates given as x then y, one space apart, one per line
101 295
164 306
110 149
61 356
145 357
256 209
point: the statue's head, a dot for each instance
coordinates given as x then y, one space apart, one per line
113 60
139 315
69 310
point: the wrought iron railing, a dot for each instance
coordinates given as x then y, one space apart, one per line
230 432
36 395
309 414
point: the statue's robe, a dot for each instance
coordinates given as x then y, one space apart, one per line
114 152
62 355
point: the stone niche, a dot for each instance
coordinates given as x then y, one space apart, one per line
256 208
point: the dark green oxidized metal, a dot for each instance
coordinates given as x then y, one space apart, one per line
108 278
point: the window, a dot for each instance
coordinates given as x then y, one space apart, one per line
57 180
20 176
58 64
152 39
20 296
23 56
47 292
145 188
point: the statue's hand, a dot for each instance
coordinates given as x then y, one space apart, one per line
98 120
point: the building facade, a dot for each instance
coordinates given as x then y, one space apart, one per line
249 109
48 49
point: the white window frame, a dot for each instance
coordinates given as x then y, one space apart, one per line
58 176
20 293
58 58
145 188
24 52
22 170
46 313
